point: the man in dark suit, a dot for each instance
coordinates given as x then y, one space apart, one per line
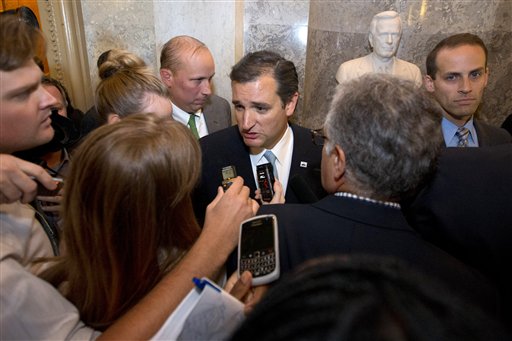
265 94
382 140
476 226
457 75
187 69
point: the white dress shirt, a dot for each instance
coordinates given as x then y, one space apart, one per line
183 116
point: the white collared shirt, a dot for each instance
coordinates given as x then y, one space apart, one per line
183 116
283 151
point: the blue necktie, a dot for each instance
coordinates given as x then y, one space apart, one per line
463 135
272 159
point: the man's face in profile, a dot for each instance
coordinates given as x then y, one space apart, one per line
25 108
386 37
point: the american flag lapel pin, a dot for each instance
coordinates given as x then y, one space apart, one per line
304 164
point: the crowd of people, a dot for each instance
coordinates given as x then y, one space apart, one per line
403 196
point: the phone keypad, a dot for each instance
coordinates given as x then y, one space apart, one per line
259 263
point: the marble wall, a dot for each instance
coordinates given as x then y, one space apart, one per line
280 26
338 32
316 35
143 27
118 24
212 22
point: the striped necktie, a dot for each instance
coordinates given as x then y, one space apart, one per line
272 159
462 134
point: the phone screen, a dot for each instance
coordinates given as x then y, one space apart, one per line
257 237
258 250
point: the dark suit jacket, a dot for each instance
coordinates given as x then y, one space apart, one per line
489 135
227 147
467 210
217 113
337 225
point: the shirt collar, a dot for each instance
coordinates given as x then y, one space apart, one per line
181 115
279 149
449 129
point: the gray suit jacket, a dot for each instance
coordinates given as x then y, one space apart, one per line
217 113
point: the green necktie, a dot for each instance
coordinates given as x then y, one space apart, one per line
192 125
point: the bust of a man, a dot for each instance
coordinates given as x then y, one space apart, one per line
384 36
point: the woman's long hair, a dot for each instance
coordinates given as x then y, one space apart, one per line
127 214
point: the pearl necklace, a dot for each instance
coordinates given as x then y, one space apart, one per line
373 201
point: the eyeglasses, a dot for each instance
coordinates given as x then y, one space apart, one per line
318 137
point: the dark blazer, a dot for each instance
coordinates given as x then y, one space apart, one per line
467 210
337 225
227 147
507 124
489 135
217 113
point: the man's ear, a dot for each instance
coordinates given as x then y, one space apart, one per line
292 103
113 118
428 82
370 39
166 77
339 163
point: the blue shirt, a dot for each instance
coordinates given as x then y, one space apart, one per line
449 130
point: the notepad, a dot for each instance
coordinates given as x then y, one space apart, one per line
207 313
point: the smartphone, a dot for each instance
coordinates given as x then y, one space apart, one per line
228 174
258 249
265 175
45 192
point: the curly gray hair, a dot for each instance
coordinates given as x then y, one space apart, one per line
390 132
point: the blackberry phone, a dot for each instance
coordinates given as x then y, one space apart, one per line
258 249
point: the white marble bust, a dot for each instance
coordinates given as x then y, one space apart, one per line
384 36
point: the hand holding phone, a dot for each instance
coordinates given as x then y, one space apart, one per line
258 249
265 175
278 197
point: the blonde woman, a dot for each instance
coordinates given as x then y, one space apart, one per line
127 88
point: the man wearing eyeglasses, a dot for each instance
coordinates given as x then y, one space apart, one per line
265 94
382 142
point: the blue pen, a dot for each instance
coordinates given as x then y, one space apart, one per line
200 283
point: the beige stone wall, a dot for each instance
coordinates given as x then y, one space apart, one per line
338 32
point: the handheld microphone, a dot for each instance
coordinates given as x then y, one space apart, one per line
228 174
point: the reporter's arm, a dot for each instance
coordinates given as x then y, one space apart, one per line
205 259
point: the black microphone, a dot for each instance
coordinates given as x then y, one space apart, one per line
301 188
